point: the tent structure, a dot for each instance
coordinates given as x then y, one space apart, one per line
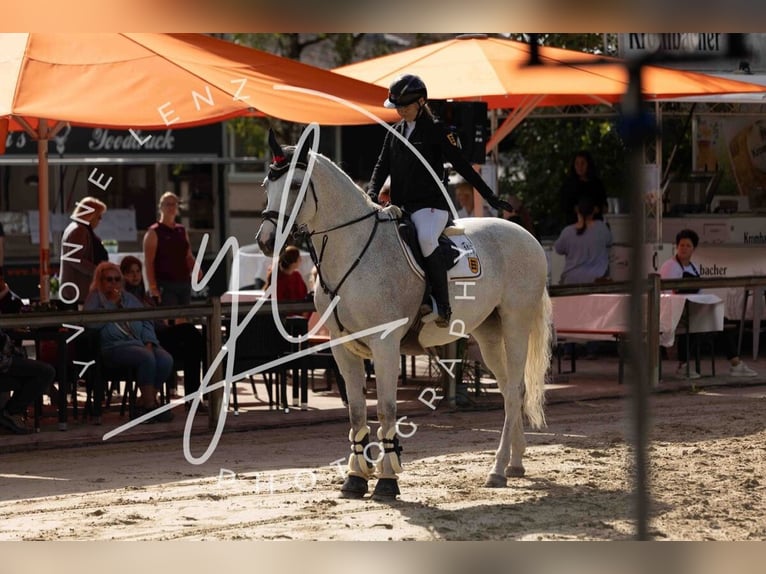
151 81
476 67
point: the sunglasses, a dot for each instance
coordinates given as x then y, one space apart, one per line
112 279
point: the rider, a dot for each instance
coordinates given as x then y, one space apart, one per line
413 188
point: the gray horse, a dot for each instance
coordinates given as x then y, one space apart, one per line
363 270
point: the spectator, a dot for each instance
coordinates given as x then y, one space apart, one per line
181 340
77 265
519 214
129 344
26 380
290 283
9 302
582 181
168 257
465 199
585 247
681 267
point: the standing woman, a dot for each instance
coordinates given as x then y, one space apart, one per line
413 188
76 270
582 181
168 257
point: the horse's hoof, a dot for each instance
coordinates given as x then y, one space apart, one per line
496 481
386 489
514 471
353 487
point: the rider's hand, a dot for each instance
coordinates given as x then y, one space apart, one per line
499 204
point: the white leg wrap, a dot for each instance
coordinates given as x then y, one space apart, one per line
358 465
390 443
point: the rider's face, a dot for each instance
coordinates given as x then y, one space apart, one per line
409 112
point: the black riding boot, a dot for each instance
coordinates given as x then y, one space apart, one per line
437 276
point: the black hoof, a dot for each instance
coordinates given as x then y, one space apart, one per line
353 487
386 489
496 481
514 471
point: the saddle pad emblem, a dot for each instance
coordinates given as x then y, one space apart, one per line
468 265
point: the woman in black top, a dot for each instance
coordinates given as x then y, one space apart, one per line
416 190
582 181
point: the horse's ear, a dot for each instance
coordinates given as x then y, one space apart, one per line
276 149
303 155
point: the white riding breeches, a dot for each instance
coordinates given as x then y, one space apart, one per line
429 223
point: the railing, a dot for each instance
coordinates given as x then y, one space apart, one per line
213 312
653 288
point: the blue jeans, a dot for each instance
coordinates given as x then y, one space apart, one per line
152 366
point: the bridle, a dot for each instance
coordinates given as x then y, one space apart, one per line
277 170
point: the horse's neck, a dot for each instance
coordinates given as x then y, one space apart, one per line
338 199
338 204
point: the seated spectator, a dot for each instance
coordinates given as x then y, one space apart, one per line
131 344
9 302
519 215
585 247
681 267
290 283
26 380
181 340
465 195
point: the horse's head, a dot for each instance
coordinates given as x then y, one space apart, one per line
285 186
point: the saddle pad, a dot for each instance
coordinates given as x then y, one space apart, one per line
468 265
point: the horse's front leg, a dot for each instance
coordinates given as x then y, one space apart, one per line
360 467
386 358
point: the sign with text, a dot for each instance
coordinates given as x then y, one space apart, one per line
78 141
706 51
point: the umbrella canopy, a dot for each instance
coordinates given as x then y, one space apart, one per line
496 71
154 81
124 80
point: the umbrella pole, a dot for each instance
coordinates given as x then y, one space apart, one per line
43 206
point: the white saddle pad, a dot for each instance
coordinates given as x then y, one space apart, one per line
468 265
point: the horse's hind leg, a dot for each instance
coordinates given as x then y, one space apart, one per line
360 467
506 360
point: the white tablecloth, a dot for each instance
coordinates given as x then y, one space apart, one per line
597 316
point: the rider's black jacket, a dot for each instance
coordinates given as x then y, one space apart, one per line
412 187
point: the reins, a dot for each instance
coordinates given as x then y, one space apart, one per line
317 259
276 172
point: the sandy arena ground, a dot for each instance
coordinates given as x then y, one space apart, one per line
708 463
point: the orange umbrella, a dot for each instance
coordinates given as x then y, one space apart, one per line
156 81
496 71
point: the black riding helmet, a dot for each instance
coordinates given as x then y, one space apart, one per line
405 90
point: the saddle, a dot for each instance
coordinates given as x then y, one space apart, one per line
454 246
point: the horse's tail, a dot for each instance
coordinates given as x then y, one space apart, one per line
538 362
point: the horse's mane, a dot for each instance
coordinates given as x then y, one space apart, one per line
334 171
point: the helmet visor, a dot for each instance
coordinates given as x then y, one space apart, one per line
404 100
